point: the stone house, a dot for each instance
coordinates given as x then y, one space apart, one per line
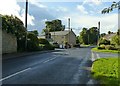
109 36
61 37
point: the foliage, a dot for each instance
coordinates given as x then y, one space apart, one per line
104 41
115 40
77 40
45 45
101 46
104 51
89 36
12 24
110 47
113 6
103 34
54 25
35 32
33 42
106 71
43 41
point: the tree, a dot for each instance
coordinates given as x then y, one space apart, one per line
77 40
113 6
115 40
12 24
54 25
83 36
35 32
89 36
103 34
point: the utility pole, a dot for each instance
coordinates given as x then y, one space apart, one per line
26 11
69 30
98 30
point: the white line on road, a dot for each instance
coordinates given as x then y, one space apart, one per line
49 59
98 56
14 74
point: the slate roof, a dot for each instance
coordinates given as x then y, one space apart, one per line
60 32
109 36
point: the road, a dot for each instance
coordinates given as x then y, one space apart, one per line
64 66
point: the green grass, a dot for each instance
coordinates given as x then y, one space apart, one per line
104 51
106 71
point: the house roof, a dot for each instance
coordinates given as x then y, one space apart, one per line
60 32
109 36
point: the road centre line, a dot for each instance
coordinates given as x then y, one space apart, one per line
14 74
25 69
49 59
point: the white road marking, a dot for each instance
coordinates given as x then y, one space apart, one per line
90 82
14 74
49 59
98 56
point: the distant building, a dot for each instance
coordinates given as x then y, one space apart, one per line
109 36
61 37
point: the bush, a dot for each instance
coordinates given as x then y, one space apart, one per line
101 47
104 41
43 41
32 42
46 47
110 47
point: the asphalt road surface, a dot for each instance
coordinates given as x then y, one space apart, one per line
65 66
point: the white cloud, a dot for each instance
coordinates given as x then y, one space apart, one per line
82 9
8 7
30 18
95 2
37 4
63 9
109 22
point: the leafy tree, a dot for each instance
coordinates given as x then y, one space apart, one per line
114 5
103 34
12 24
83 36
115 40
77 40
35 32
54 25
89 36
93 35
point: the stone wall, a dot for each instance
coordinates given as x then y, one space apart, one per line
0 41
9 42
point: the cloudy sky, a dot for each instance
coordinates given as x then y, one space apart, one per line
83 13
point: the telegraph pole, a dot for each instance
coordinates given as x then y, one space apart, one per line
98 30
26 11
69 29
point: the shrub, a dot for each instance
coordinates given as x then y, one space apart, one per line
110 47
43 41
46 47
101 47
104 41
32 42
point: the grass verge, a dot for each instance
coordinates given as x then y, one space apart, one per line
105 70
104 51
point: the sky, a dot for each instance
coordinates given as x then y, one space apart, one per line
82 13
